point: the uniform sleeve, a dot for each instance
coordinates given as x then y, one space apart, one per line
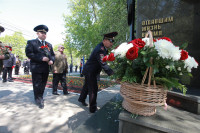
104 65
52 54
6 54
13 60
30 53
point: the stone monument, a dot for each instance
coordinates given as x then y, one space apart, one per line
177 19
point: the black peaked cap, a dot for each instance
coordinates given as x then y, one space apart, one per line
41 28
110 35
2 29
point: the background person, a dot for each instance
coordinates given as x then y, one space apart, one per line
4 54
71 68
17 66
60 68
26 65
81 66
8 65
76 67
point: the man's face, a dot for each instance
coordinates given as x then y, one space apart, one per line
108 43
42 35
61 49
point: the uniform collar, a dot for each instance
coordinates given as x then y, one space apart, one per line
104 46
40 40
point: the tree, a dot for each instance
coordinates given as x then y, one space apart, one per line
18 43
90 19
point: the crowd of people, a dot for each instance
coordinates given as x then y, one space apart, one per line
42 59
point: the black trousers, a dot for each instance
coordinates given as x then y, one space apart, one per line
5 71
39 82
62 78
90 87
26 70
16 70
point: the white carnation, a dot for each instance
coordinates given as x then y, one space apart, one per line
189 69
179 69
122 49
190 63
167 67
167 50
146 40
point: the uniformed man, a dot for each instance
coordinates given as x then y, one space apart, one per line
4 54
41 56
26 65
17 66
8 66
92 68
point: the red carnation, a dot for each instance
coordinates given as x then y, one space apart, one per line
9 47
111 57
138 42
46 46
105 58
165 38
132 53
184 55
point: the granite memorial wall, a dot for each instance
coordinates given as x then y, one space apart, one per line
177 19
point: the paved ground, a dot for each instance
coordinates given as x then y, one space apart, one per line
61 114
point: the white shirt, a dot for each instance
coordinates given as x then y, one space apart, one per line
41 41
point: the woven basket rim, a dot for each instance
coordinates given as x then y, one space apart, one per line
136 93
145 86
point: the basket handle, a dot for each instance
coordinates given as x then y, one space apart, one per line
150 69
150 35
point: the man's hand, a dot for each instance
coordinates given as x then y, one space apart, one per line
55 71
50 62
2 57
111 73
45 59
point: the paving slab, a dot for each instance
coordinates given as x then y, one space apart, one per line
105 120
61 114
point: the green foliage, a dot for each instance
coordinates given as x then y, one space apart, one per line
18 43
171 83
168 72
184 45
90 19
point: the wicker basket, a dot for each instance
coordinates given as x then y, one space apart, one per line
142 99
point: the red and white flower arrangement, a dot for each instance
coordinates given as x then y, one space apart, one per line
170 62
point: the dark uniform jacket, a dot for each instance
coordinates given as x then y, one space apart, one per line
9 62
95 64
26 64
36 53
3 51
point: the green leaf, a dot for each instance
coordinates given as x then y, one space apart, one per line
184 45
145 59
155 70
143 52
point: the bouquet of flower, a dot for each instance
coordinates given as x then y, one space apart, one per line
46 49
169 62
47 53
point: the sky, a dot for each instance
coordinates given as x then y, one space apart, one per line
24 15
